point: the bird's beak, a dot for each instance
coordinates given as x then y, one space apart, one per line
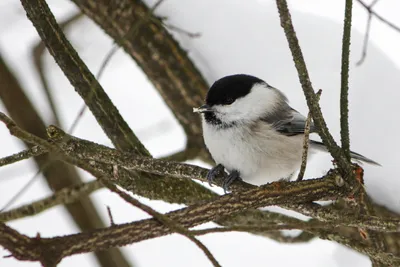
202 109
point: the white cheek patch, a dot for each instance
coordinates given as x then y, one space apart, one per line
259 102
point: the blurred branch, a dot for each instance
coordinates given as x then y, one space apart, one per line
58 174
367 31
25 188
329 142
344 91
63 196
378 16
107 59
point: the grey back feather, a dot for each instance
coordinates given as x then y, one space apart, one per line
287 120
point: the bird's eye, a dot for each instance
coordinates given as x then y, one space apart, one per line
229 101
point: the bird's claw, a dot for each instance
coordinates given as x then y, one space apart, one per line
214 173
233 176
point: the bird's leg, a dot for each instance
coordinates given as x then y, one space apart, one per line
214 173
233 176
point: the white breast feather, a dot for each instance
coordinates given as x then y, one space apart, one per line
259 153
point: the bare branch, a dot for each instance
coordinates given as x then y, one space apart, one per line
344 92
306 142
225 205
26 154
329 142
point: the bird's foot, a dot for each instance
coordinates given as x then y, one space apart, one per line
233 176
214 173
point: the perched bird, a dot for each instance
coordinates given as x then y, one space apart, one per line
252 132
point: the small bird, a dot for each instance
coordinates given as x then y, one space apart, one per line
252 132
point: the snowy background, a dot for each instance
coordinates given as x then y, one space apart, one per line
236 37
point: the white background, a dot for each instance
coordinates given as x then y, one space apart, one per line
236 37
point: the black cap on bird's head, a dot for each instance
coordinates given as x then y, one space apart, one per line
227 90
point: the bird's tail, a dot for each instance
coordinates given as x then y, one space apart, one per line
353 155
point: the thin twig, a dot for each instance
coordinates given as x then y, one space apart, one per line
306 140
161 218
344 91
110 216
366 36
25 154
21 191
379 17
182 31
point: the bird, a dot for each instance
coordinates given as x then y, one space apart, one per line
252 132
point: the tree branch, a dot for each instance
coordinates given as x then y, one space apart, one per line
306 142
344 92
271 194
278 193
329 142
26 154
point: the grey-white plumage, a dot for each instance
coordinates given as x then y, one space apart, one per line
259 153
249 128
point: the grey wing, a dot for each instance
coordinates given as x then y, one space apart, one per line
288 121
